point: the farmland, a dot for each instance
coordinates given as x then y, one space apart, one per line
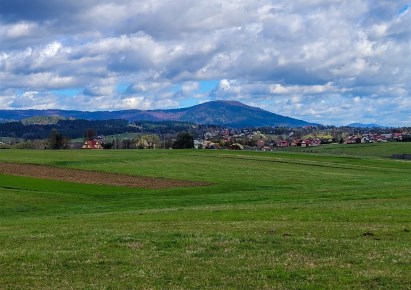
261 220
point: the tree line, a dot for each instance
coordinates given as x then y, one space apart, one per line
76 128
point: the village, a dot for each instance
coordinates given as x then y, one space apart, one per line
247 139
214 137
254 139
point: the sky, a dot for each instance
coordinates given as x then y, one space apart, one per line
331 62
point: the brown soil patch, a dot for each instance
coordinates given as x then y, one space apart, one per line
92 177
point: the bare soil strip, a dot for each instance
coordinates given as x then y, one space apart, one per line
92 177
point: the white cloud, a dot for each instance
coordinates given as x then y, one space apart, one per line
295 57
17 30
189 87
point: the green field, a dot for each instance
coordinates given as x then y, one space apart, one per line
384 150
274 220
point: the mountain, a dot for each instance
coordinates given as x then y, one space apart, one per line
236 114
224 113
365 126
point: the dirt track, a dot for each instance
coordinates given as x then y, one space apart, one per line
91 177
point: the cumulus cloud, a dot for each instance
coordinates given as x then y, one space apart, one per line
323 61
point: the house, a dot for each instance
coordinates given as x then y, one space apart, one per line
282 143
380 138
92 144
316 142
352 140
305 143
311 142
296 142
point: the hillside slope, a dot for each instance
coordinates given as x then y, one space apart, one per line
223 113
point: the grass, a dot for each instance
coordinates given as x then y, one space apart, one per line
384 150
270 220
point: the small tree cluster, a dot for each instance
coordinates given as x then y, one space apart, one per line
57 140
151 141
184 141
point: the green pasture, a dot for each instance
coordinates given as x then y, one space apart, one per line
268 220
384 150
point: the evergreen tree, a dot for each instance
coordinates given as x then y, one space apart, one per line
184 141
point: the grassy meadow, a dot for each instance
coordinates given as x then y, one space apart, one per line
384 150
268 220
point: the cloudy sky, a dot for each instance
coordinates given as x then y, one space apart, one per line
325 61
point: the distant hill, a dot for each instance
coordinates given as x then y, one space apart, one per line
42 120
360 125
223 113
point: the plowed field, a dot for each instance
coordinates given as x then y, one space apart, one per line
91 177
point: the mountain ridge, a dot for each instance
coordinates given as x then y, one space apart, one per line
361 125
224 113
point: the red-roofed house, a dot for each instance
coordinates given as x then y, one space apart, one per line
282 143
92 144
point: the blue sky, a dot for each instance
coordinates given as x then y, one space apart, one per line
330 62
